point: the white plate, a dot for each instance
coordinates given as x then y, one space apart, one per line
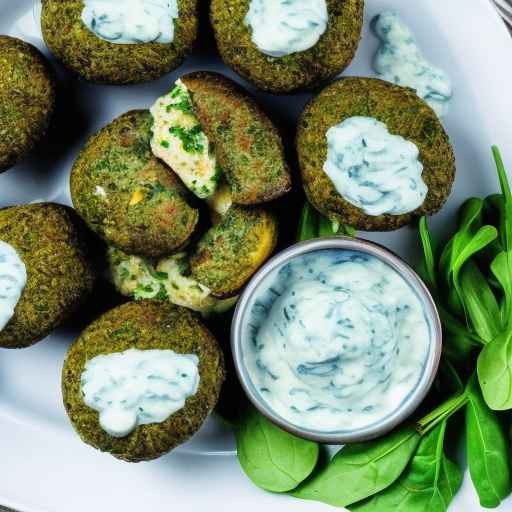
45 467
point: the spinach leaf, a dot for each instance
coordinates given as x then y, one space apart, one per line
360 470
470 220
506 211
327 228
308 224
483 237
272 458
429 262
501 267
495 372
459 343
429 483
480 303
487 450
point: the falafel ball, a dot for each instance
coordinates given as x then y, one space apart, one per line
144 326
101 61
405 115
27 99
126 195
302 70
164 280
51 241
248 146
232 251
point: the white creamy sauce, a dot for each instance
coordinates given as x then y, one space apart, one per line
374 170
138 387
131 21
13 279
337 341
399 60
283 27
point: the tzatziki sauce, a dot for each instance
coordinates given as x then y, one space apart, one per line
399 60
374 170
284 27
337 340
13 279
131 21
138 387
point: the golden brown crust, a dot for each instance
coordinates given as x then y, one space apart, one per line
248 146
303 70
27 99
233 250
51 241
405 114
99 61
126 195
144 325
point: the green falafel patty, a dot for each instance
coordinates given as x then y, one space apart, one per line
232 251
126 195
102 61
299 70
27 99
207 125
51 243
405 120
144 326
168 279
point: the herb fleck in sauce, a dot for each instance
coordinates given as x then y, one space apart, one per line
399 60
337 341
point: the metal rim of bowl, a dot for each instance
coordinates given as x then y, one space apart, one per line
398 264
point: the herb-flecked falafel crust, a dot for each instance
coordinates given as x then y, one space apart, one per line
303 70
100 61
405 114
233 250
27 99
126 195
248 146
51 242
144 325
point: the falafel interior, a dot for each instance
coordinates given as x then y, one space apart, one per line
208 128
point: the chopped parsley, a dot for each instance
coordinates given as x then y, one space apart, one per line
164 144
190 139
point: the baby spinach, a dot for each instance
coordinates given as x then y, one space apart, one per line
480 302
272 458
308 224
314 225
487 450
360 470
429 483
429 262
495 372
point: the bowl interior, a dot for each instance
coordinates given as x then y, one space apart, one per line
244 330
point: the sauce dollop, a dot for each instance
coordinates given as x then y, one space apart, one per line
338 340
138 387
399 60
283 27
13 279
131 21
373 169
